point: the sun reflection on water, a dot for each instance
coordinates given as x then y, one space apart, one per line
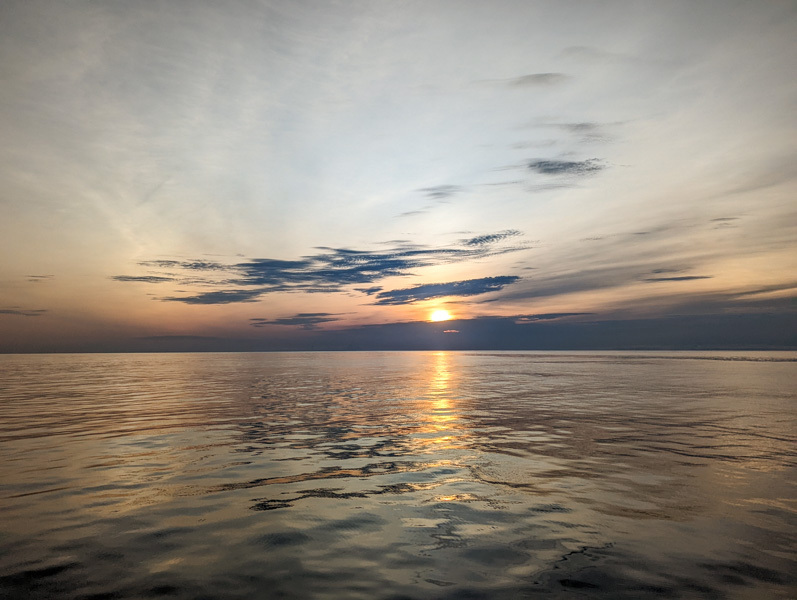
442 416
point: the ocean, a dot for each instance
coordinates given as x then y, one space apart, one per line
398 475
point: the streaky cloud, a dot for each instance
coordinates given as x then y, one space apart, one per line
566 167
302 320
588 131
327 271
548 316
539 79
369 291
412 213
677 278
21 312
468 287
143 278
482 240
194 265
441 192
218 297
39 278
784 287
591 54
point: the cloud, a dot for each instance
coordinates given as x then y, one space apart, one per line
303 320
530 80
492 238
23 312
194 265
468 287
582 127
566 167
547 316
768 289
539 79
441 192
587 279
678 278
587 131
780 171
218 297
39 278
369 290
143 278
668 270
158 338
590 54
327 271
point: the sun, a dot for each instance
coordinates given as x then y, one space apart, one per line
440 315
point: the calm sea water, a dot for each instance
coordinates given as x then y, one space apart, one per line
398 475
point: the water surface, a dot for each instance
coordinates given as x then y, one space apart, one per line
398 475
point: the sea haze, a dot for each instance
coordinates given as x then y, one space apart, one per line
398 475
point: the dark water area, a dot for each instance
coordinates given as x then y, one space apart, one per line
398 475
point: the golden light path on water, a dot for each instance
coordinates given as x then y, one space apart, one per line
443 417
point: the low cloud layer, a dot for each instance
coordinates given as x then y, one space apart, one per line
306 321
548 317
328 271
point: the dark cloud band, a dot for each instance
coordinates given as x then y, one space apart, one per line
20 312
566 167
329 270
303 320
469 287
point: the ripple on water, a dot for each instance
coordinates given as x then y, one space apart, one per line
416 475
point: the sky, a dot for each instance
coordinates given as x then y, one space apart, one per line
255 175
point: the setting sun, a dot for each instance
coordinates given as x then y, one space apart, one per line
440 315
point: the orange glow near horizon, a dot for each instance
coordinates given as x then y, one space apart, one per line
440 315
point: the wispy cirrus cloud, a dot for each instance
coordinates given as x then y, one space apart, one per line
39 278
491 238
307 321
531 80
412 213
468 287
591 279
22 312
329 270
539 79
588 131
143 278
677 278
217 297
441 192
566 167
597 56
